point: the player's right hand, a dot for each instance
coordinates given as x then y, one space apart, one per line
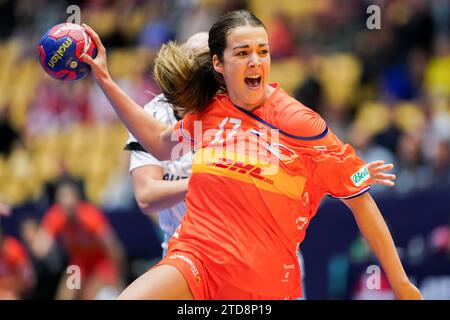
99 64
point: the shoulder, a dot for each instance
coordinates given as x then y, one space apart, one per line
295 118
91 216
54 214
14 248
203 114
12 243
159 108
89 210
142 158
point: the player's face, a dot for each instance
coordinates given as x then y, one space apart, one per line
246 66
67 197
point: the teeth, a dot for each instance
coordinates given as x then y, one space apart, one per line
254 77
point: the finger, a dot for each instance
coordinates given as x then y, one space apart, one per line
385 167
88 59
94 37
374 164
387 183
383 176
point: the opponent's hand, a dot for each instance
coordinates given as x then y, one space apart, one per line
99 64
376 169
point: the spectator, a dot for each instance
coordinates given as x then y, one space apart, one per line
89 241
411 172
48 269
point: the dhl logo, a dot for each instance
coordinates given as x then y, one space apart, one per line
240 167
59 53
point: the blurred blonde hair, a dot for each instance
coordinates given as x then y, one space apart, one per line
186 77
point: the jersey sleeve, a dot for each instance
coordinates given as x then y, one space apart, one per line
300 121
53 221
18 254
141 159
339 171
94 219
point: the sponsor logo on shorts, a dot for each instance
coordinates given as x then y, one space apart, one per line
301 222
286 277
191 264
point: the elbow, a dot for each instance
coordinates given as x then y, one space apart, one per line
146 193
147 206
161 155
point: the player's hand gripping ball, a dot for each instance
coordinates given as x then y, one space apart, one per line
60 49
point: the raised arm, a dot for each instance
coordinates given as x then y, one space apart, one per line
153 135
375 231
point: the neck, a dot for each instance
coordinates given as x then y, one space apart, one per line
269 91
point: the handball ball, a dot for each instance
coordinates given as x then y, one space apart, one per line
60 50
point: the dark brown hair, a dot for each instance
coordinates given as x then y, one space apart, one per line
186 76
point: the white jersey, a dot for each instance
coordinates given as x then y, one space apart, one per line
170 218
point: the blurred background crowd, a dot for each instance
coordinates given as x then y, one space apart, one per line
386 91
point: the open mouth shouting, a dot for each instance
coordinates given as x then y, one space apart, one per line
253 82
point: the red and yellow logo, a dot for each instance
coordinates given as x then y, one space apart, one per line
264 175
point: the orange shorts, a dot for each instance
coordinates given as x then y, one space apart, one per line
200 282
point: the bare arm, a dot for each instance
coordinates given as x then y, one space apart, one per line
153 193
153 135
42 243
375 231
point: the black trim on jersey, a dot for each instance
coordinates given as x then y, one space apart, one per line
319 136
134 146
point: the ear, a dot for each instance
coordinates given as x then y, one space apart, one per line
217 65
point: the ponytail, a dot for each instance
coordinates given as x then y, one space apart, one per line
186 77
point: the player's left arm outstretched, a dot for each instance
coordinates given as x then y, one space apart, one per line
375 231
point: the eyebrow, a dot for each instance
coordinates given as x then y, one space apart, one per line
246 46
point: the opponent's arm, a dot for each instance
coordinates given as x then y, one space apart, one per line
375 231
153 135
152 193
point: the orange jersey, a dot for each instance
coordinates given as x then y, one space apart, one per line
81 234
13 257
257 180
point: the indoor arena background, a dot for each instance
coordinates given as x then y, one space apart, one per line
386 91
